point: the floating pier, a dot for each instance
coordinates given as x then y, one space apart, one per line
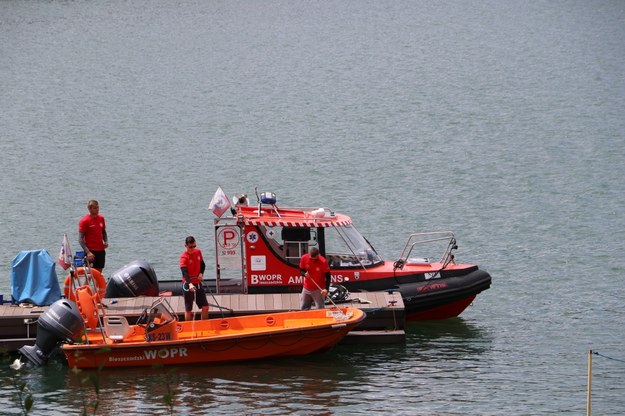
384 323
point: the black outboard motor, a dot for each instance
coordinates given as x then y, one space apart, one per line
338 293
134 279
60 322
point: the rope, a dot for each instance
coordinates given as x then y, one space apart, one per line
221 308
609 358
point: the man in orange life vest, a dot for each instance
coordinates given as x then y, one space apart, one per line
192 266
316 272
92 236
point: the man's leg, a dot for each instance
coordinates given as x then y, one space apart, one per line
318 298
306 300
202 301
188 305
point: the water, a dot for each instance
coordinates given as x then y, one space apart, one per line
502 121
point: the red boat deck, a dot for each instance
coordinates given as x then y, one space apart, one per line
384 322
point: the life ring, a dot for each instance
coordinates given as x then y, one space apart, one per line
87 306
80 272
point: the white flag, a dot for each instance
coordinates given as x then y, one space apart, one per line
65 256
220 203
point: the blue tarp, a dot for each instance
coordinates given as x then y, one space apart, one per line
33 278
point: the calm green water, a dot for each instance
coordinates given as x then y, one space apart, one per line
502 121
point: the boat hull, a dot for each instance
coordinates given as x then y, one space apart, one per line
443 297
263 336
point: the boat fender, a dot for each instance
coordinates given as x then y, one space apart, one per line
80 271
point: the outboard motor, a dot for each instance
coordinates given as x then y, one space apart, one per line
60 322
134 279
338 293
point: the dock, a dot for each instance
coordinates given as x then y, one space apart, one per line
384 324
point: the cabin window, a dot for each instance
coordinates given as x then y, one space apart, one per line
295 243
290 243
345 247
295 234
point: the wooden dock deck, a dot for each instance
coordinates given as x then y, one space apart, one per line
384 322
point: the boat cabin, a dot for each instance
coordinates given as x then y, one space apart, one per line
260 247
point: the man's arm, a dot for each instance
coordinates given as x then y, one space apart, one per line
81 241
185 275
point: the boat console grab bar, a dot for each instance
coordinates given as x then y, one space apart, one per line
425 238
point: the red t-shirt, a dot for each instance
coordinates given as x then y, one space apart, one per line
93 228
193 263
316 269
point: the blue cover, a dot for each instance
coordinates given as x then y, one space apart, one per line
33 278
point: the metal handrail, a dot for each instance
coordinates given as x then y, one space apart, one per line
90 281
447 256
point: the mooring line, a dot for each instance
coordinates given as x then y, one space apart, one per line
609 358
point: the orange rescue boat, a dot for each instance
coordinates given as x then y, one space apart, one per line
159 338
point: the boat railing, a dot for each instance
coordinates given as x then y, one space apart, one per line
86 279
419 239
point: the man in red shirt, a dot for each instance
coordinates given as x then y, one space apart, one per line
192 266
316 272
92 235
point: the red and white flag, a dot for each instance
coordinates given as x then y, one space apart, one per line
65 256
220 203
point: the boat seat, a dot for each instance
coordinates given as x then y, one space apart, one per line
117 327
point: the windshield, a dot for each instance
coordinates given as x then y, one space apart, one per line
160 313
346 247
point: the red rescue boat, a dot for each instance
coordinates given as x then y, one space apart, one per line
259 247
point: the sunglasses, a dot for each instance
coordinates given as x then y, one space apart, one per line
191 246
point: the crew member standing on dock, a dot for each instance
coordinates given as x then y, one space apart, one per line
92 235
316 272
192 266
